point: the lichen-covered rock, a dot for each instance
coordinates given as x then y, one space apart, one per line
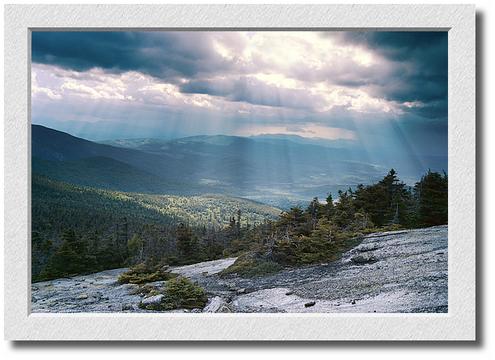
153 300
217 305
363 259
127 307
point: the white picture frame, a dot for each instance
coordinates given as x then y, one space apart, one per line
460 321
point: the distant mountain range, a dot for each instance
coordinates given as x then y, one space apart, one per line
279 170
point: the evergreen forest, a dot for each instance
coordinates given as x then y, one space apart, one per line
78 229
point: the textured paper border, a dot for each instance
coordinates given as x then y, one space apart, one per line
458 324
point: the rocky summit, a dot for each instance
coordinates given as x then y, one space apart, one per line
390 272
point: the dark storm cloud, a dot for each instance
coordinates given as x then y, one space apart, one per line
162 55
401 45
253 91
418 65
414 69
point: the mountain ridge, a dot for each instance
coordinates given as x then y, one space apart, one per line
274 171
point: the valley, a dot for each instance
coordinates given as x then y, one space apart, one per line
280 171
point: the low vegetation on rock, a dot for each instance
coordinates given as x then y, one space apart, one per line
179 293
144 273
252 264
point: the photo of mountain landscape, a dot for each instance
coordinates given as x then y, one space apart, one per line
239 172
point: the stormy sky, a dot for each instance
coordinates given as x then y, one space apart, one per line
377 90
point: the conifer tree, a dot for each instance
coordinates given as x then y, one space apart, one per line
187 242
329 207
432 195
69 257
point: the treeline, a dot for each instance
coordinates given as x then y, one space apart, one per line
390 201
323 231
81 230
79 253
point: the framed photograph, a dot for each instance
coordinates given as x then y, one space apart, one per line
240 172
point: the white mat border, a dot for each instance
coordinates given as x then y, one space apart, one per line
458 324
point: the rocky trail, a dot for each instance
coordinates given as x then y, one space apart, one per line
402 271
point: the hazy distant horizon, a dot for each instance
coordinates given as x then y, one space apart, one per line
172 137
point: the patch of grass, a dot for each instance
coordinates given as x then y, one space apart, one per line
251 265
144 273
180 293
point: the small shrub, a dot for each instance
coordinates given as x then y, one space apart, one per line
145 290
318 247
180 293
144 273
250 265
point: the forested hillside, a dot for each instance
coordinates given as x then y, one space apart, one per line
103 173
102 225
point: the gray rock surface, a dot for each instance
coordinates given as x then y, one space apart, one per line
408 274
363 259
203 269
97 292
217 305
153 300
